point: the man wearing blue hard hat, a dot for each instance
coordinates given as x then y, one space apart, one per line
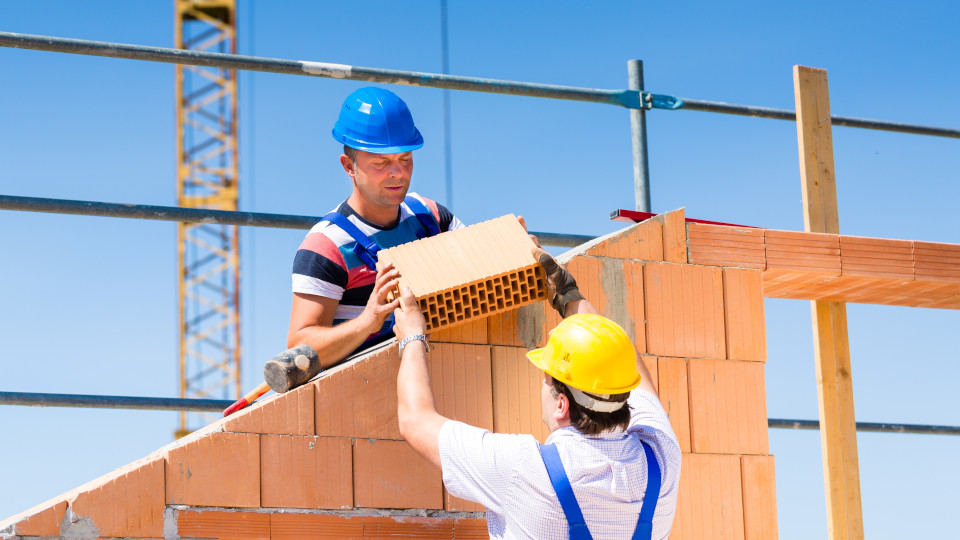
339 298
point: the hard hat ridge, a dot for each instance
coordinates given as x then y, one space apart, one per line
376 120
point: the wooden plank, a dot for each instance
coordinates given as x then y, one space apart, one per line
838 436
815 137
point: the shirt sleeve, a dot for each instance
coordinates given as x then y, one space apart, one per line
448 221
478 465
647 413
319 268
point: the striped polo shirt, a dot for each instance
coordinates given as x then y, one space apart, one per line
327 265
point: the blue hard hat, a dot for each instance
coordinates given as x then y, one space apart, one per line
378 121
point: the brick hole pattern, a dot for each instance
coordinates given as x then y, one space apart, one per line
479 299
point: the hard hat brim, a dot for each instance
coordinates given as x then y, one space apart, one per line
378 149
536 358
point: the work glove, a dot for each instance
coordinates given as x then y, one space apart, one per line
563 288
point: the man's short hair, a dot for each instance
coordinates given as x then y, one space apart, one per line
592 422
350 152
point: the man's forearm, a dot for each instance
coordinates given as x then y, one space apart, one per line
416 410
414 394
332 343
579 306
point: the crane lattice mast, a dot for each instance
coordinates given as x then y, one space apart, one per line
207 175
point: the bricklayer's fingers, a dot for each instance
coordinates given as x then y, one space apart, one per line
407 299
384 290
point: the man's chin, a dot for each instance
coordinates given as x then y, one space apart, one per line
395 197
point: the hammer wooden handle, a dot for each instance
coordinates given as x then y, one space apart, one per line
247 399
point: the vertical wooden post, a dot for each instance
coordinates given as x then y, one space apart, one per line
838 429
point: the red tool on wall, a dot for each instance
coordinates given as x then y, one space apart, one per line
283 372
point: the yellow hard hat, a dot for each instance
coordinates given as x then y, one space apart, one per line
590 353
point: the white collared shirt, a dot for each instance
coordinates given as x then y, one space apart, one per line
608 474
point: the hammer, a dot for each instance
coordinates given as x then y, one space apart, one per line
283 372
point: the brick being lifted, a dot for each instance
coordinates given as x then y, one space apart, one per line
470 273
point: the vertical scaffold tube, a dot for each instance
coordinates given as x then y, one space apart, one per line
638 135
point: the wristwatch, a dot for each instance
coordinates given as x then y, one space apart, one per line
415 337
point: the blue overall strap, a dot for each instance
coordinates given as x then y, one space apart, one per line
578 527
366 248
561 485
644 530
423 214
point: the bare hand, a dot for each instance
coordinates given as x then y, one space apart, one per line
533 238
378 308
408 319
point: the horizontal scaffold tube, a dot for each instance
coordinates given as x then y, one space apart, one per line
920 429
846 121
113 402
625 98
631 99
205 216
204 405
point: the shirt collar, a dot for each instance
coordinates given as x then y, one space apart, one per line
567 432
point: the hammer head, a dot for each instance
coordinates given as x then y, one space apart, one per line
291 368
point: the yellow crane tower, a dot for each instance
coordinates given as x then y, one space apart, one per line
208 255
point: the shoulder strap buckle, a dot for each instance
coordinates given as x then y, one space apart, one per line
366 248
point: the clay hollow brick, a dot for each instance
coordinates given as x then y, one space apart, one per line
803 251
728 408
720 245
469 273
937 261
642 241
290 413
391 474
743 314
38 521
758 481
710 499
223 525
876 257
683 305
674 236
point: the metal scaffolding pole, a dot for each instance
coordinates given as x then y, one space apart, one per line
630 99
113 402
638 136
207 216
216 405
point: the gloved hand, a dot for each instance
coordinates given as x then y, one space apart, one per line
563 288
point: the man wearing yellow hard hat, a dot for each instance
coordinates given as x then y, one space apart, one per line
611 465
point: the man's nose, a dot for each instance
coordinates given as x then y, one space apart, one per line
396 169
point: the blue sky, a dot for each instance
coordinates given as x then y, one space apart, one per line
88 305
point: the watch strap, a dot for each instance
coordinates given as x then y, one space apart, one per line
408 339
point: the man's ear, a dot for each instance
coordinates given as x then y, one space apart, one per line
561 411
348 165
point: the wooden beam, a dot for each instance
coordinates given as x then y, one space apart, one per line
838 431
815 137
